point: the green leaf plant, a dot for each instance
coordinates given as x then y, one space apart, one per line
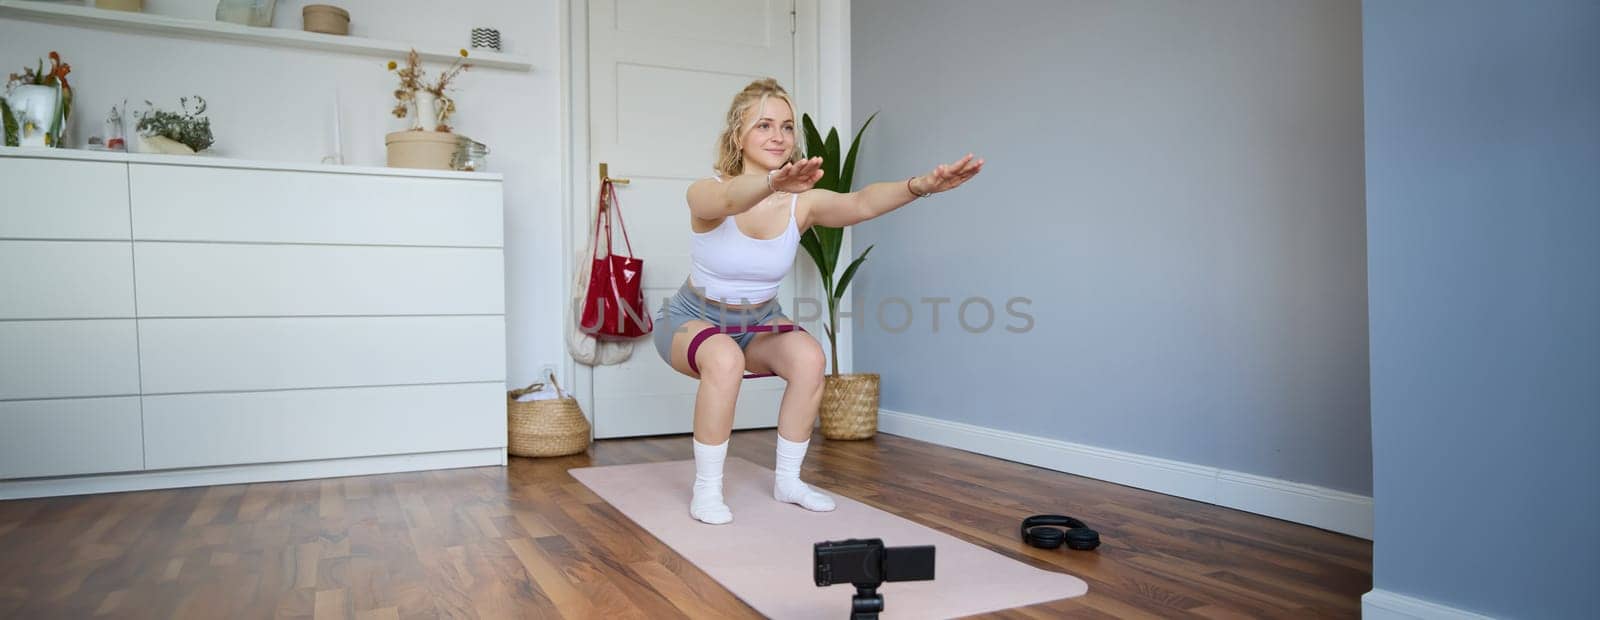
823 242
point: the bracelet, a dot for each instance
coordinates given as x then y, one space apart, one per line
914 192
769 181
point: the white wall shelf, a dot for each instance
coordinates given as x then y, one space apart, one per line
57 13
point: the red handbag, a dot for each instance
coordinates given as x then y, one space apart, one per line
613 307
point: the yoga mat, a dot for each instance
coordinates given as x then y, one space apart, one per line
765 555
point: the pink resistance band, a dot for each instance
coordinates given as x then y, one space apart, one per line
694 345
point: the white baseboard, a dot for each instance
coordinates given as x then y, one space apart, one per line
1338 511
242 474
1386 605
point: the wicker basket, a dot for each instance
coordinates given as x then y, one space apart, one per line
554 427
850 406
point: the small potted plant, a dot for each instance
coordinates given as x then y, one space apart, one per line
429 142
849 407
13 131
38 105
163 131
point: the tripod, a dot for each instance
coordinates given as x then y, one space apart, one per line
866 604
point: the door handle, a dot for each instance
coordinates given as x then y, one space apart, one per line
604 176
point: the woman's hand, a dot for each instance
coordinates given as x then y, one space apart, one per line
946 177
797 177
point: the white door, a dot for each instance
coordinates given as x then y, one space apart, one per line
661 75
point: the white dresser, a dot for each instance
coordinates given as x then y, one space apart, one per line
176 321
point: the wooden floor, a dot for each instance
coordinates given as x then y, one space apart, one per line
528 541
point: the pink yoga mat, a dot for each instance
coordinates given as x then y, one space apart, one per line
765 555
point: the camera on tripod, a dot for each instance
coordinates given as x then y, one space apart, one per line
866 564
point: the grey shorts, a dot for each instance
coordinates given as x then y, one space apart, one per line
741 324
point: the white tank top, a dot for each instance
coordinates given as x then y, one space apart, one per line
735 268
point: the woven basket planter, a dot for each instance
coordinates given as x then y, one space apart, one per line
850 406
554 427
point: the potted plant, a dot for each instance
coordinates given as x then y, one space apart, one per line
38 105
849 401
13 131
429 142
163 131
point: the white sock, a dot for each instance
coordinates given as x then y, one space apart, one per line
786 485
707 504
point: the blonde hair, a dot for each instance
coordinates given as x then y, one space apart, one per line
730 152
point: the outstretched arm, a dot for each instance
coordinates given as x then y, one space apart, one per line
839 210
710 200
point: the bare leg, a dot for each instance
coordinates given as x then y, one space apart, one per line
797 358
721 364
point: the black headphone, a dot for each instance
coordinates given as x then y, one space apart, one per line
1078 536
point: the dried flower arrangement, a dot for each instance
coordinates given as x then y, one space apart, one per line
413 80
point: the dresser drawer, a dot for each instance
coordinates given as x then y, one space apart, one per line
234 280
194 430
275 206
55 359
63 199
69 436
209 355
66 279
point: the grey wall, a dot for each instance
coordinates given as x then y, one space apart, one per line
1483 201
1177 187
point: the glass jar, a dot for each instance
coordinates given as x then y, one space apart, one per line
471 155
246 12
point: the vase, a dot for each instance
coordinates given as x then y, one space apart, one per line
424 110
37 110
